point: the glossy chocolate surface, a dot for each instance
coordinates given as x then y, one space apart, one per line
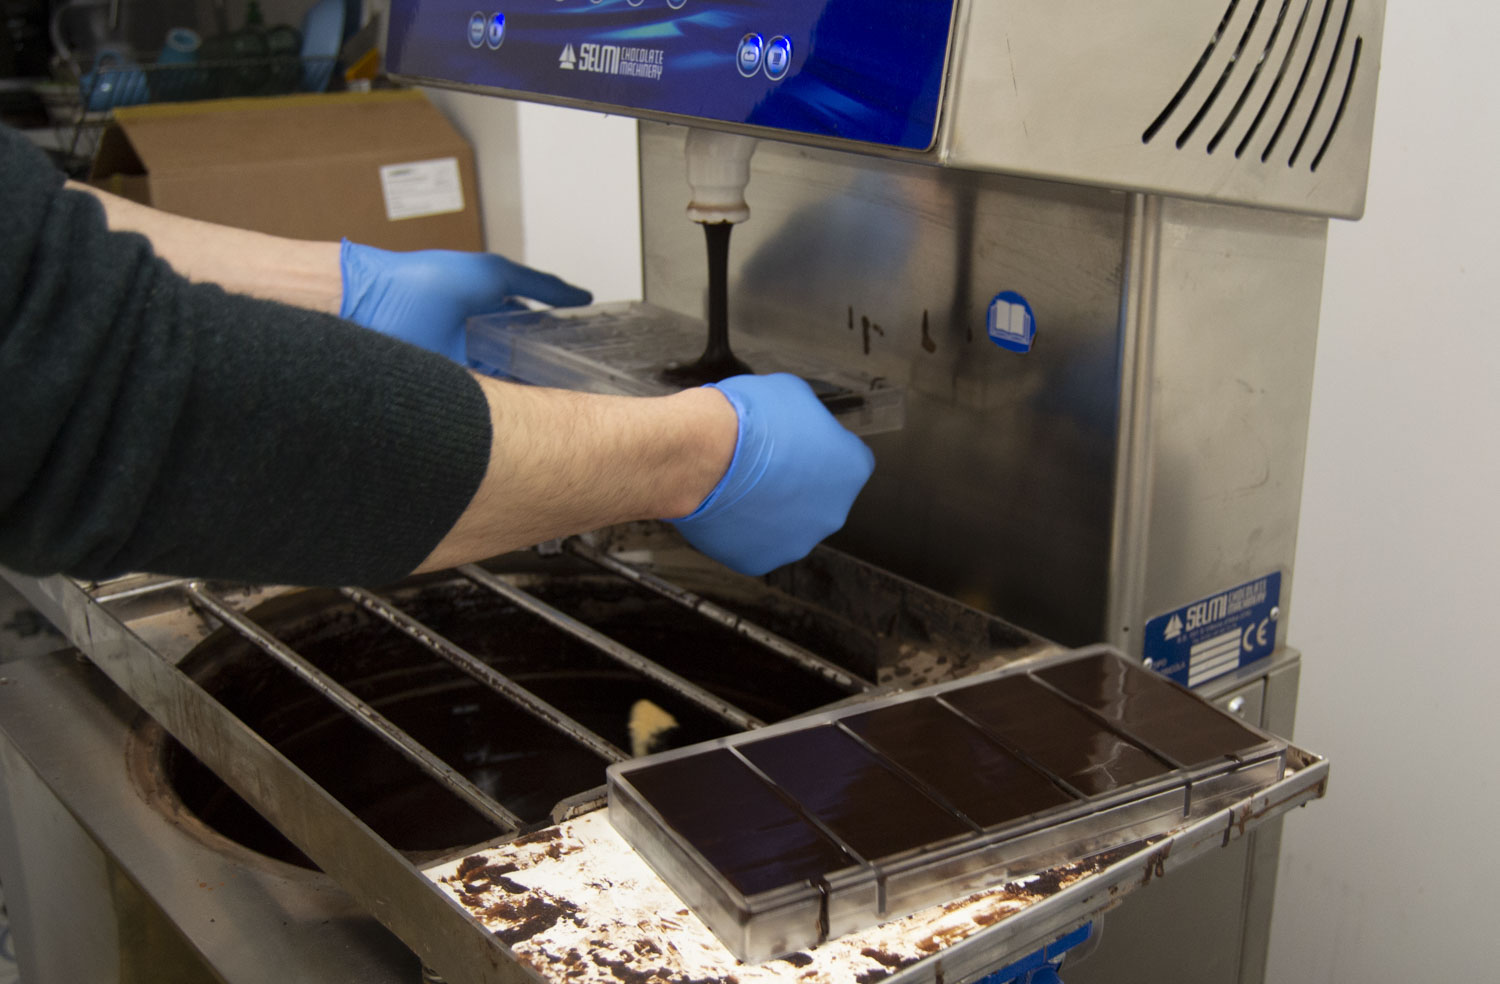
852 792
1144 705
1055 734
958 761
738 823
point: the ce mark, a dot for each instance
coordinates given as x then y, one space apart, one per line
1256 636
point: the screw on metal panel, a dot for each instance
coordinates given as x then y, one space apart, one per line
1237 707
1149 663
1275 613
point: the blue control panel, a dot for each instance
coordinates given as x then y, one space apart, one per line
865 70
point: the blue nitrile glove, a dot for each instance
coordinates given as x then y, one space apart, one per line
794 475
426 296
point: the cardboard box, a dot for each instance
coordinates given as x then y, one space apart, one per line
382 168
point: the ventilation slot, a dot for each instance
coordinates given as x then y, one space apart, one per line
1234 60
1338 117
1208 53
1312 56
1260 66
1310 23
1286 64
1333 63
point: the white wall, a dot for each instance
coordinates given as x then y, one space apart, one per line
559 189
1393 877
492 128
581 198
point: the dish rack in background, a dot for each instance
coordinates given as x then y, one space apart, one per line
256 60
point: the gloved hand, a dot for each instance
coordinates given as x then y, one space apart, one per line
424 297
794 475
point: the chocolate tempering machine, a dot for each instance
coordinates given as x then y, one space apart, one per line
1062 264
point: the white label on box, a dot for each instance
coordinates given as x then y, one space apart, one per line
422 188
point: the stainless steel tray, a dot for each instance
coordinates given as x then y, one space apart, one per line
135 629
576 905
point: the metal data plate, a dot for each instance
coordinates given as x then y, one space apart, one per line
788 836
623 348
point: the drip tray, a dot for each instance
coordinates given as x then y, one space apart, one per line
785 837
577 905
625 347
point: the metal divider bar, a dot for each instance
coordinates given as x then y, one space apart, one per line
1017 751
622 654
439 931
487 675
1113 727
132 586
804 658
363 713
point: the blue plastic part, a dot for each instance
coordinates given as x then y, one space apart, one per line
1011 323
1041 966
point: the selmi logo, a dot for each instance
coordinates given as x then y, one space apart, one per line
601 58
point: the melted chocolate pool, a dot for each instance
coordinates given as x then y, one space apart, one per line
522 764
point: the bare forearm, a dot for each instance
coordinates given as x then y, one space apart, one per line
292 271
563 463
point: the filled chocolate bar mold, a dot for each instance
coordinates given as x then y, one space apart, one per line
787 836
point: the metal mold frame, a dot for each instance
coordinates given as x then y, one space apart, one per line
792 917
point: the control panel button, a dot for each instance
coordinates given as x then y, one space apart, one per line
676 4
751 54
778 58
496 36
478 25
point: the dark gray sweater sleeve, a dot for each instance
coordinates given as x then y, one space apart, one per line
147 423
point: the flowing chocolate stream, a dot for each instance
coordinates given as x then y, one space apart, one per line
717 361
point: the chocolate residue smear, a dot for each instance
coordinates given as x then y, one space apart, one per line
596 914
527 917
889 960
540 837
630 975
471 864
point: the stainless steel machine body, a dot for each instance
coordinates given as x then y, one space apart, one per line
1156 180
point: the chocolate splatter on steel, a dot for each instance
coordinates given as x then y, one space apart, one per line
887 960
540 837
525 918
471 864
594 913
